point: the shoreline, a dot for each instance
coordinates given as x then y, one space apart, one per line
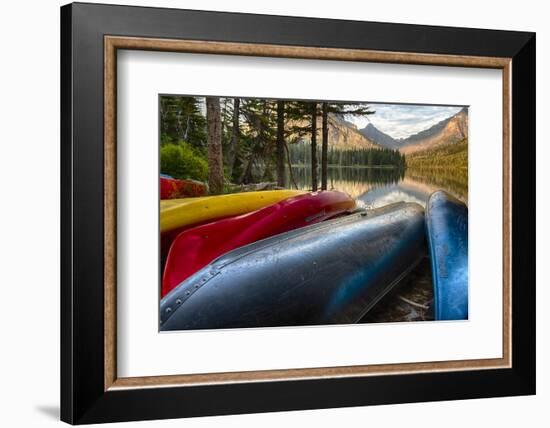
349 166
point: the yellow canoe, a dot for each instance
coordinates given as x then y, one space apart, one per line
175 213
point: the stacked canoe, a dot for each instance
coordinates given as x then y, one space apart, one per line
178 215
286 258
195 247
171 188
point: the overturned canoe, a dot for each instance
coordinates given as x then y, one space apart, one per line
171 188
196 247
447 236
328 273
175 213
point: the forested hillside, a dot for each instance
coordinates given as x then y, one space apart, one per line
300 154
447 156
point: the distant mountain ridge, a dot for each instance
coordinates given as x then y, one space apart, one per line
382 139
342 135
448 131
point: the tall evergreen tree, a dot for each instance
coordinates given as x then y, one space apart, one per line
314 147
235 134
214 140
259 136
181 119
281 143
324 146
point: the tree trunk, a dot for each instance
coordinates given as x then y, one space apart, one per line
214 140
289 165
324 148
314 147
280 143
266 144
234 146
224 117
246 177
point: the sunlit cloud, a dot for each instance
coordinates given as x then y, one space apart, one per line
403 120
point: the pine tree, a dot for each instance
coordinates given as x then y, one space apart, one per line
181 120
314 147
235 137
324 146
214 139
281 143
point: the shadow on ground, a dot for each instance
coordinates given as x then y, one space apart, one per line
50 411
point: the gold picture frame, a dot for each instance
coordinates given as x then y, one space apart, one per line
114 43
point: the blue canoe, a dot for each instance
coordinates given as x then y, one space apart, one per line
329 273
447 236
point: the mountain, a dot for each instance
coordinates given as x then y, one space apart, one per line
342 135
374 134
448 131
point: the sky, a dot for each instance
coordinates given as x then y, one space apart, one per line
403 120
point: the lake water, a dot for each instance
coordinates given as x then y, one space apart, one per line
376 187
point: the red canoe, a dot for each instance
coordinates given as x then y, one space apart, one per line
194 248
171 188
167 238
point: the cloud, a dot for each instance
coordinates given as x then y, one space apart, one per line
403 120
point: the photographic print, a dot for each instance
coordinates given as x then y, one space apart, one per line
284 212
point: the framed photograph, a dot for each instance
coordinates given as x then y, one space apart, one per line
266 213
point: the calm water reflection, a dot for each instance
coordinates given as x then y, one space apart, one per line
376 187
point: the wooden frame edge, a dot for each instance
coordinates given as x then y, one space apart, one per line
109 198
507 213
112 43
302 374
301 52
